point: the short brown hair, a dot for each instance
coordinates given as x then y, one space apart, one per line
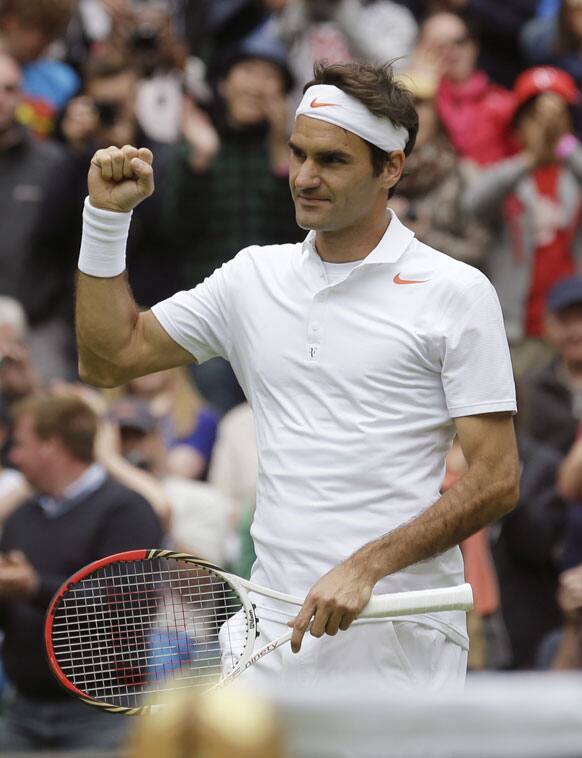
69 419
382 94
52 16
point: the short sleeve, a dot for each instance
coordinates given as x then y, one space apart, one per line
477 375
199 320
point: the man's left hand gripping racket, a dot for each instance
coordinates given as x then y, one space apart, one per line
140 623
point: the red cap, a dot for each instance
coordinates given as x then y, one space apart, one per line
534 81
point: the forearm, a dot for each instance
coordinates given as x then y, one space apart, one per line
569 655
474 501
486 194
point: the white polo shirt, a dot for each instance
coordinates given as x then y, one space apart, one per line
354 386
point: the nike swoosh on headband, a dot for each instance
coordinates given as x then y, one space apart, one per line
315 104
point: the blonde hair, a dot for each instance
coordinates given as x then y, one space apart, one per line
186 404
224 723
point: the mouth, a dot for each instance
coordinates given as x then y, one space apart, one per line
310 201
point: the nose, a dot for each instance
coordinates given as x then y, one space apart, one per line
307 177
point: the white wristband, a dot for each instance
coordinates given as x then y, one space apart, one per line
103 241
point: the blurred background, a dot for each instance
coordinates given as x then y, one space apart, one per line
211 86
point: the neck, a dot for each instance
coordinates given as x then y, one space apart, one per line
353 243
63 476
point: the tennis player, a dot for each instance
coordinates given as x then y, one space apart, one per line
362 352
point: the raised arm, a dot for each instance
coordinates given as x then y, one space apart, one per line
115 341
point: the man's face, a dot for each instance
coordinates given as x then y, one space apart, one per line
331 177
10 92
564 332
114 98
247 87
448 38
30 454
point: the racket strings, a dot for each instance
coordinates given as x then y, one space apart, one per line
123 631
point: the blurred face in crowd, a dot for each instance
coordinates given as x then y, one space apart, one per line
545 113
332 179
144 449
247 87
564 333
25 42
114 99
448 38
34 457
10 92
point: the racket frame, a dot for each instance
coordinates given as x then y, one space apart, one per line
126 557
380 606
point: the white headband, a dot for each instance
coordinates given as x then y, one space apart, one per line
328 103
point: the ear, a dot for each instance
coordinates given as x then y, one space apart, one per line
393 169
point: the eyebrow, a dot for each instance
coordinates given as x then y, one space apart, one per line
323 154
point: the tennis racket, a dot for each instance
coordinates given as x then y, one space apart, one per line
138 624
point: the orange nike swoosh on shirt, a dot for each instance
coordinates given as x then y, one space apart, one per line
398 280
315 104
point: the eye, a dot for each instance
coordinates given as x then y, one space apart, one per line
331 159
297 153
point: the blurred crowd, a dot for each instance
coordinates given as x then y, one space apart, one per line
495 180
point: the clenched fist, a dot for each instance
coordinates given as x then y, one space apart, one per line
120 178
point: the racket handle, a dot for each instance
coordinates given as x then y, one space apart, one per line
459 598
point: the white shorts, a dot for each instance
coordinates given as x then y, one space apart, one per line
391 655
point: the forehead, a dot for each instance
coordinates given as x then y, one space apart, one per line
442 28
313 135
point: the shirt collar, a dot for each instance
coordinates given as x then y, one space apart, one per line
394 242
89 481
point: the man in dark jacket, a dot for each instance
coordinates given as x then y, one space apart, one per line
25 169
76 516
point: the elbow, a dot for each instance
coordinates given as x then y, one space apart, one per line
508 491
102 377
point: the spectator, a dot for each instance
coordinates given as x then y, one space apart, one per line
498 24
77 516
188 426
105 115
533 202
428 199
557 40
336 31
145 35
17 380
26 168
569 652
18 377
27 29
475 112
200 514
526 553
551 398
229 185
